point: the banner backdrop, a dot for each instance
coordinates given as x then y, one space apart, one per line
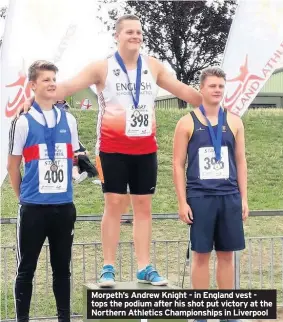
254 50
64 32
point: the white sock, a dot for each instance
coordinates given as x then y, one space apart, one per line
142 269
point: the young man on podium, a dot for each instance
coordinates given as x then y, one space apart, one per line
126 149
212 191
45 138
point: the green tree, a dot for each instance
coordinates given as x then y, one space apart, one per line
3 13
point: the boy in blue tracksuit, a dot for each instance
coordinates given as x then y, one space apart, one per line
46 139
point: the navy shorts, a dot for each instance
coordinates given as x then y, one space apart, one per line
217 223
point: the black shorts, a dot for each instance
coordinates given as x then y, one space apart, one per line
137 172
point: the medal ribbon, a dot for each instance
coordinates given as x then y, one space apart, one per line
216 141
49 133
138 77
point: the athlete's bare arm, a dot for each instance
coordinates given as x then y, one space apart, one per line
13 167
241 162
181 139
168 82
93 74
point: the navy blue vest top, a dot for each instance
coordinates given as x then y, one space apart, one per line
195 186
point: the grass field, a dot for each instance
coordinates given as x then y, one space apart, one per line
81 95
264 146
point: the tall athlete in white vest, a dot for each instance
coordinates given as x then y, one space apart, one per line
126 146
45 138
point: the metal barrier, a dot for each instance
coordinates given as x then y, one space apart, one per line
259 266
91 217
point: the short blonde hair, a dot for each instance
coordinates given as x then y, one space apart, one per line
40 65
123 18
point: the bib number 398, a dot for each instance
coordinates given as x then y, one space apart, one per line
139 121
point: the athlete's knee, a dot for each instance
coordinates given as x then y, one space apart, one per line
25 276
115 200
142 206
201 259
61 275
61 272
225 257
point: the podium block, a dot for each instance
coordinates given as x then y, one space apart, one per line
125 286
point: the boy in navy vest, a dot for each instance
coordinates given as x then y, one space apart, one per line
212 196
45 138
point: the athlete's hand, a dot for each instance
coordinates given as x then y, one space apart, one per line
185 213
245 210
24 108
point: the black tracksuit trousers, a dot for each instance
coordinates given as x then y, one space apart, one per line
35 223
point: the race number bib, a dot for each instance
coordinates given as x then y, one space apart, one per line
53 178
139 121
209 168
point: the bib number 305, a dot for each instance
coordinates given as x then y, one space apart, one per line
209 168
211 163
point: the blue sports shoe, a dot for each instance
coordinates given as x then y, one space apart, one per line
107 277
149 275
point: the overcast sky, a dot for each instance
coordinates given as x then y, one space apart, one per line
88 46
98 47
52 20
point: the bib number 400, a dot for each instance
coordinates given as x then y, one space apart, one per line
54 176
